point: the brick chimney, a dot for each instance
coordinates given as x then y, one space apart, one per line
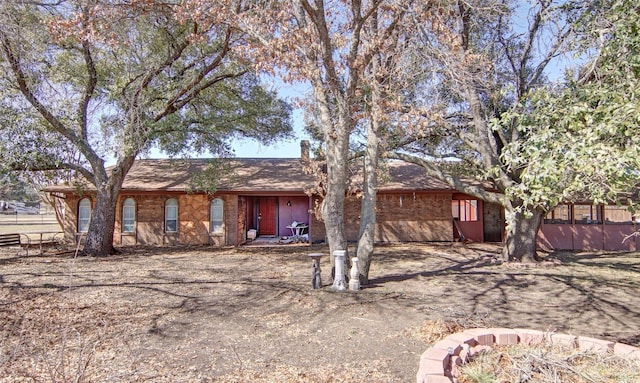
304 151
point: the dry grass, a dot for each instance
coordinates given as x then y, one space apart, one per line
547 363
202 314
432 331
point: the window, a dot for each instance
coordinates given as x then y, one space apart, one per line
617 214
217 215
171 216
465 210
84 215
128 215
561 214
587 214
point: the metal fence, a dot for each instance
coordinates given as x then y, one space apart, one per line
27 219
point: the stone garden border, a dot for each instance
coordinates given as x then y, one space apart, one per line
440 363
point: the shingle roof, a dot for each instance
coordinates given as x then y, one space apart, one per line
406 176
255 175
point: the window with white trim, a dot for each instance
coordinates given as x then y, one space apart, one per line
84 215
217 216
128 215
171 215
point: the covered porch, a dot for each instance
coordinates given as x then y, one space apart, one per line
274 219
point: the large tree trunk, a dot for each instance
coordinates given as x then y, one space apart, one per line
333 203
336 138
99 240
337 149
522 232
366 239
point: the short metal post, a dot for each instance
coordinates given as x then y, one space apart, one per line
316 279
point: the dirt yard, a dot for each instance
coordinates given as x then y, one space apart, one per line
250 315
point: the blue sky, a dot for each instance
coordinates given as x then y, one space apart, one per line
290 92
280 149
248 148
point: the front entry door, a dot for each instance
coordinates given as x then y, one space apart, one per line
267 216
493 222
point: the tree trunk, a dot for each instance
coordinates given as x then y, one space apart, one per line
366 240
99 240
337 146
336 138
522 232
333 203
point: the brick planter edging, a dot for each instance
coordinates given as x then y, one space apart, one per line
440 363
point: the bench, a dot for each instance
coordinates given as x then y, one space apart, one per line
13 239
43 239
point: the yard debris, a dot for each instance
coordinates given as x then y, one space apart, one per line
246 314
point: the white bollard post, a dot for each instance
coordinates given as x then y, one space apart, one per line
339 283
354 275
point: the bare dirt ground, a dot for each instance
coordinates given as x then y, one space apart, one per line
249 314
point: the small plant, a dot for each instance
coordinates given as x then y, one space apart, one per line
475 373
482 369
547 363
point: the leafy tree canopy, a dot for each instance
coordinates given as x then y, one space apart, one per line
118 78
581 140
85 82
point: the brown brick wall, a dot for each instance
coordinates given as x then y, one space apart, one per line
150 219
405 217
120 238
70 224
401 217
317 232
193 220
419 217
414 217
231 219
193 223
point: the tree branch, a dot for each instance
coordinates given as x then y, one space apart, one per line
89 88
53 167
317 15
21 79
458 183
176 103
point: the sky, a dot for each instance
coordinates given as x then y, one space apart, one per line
291 148
249 148
281 149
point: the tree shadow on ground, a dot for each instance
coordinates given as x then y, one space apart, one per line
589 293
238 284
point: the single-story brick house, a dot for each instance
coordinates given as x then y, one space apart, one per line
263 197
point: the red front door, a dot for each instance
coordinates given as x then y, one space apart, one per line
267 216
